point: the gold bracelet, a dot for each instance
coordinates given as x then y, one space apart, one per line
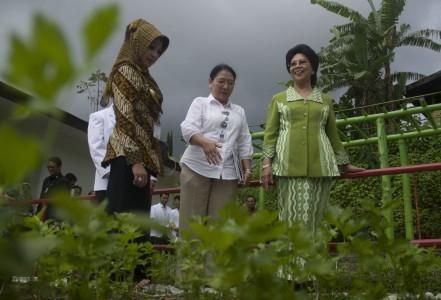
266 166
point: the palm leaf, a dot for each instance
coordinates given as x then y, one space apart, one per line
327 86
339 9
390 11
404 29
344 28
374 17
420 42
427 33
361 51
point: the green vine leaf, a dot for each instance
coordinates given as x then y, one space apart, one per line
21 155
42 64
98 28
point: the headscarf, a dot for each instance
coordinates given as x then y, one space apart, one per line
139 35
309 53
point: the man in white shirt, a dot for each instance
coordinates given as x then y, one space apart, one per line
101 124
163 214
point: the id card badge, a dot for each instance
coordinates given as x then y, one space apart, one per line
157 131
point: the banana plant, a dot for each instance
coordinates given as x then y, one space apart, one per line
361 51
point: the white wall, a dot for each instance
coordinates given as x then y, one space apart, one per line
70 144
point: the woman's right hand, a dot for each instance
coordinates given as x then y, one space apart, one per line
140 175
267 177
211 151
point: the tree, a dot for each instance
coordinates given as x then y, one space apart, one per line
361 52
94 87
170 143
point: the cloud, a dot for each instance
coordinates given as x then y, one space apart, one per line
251 35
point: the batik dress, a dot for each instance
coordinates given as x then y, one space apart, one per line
302 139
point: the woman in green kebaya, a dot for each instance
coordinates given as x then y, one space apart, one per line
301 147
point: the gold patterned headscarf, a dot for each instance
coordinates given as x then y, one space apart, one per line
139 35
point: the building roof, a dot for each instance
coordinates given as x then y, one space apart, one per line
427 85
15 95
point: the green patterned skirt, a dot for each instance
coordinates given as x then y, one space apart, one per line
303 199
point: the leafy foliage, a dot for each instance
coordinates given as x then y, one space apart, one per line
257 257
425 186
42 65
21 155
360 53
94 87
98 29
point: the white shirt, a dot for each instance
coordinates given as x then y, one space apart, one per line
205 116
101 124
163 215
175 217
175 220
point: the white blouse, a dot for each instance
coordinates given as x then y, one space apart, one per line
225 124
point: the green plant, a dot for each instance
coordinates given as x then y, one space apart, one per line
360 53
257 257
93 256
94 87
231 256
41 66
96 256
425 186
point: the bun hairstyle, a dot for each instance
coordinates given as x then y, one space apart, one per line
309 53
221 67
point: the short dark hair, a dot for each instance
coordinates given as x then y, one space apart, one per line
56 160
309 53
71 177
221 67
177 197
160 195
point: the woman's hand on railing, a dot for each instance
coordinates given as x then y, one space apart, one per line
352 169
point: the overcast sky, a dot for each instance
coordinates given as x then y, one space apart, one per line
250 35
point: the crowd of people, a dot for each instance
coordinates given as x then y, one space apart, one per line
302 151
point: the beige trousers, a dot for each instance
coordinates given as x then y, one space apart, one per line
202 196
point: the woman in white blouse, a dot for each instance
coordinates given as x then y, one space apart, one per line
219 151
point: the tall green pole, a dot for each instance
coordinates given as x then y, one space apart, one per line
385 179
405 179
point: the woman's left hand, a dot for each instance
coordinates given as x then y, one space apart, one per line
353 169
140 175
